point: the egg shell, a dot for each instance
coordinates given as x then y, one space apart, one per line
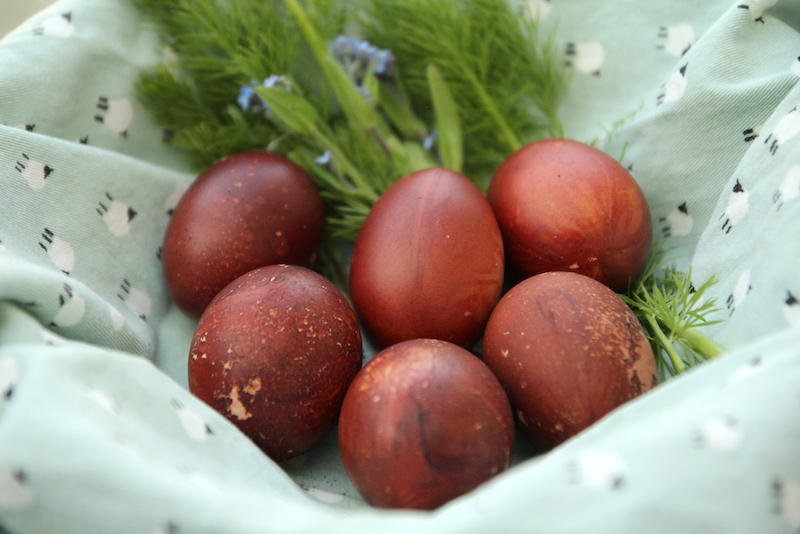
424 422
563 205
568 351
274 352
428 261
246 211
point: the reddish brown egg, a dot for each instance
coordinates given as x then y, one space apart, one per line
274 352
424 422
568 351
428 261
567 206
245 211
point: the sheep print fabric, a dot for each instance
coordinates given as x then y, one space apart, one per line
99 434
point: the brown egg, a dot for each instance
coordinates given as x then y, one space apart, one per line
245 211
428 261
274 352
568 351
424 422
567 206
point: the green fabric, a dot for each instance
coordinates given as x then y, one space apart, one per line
98 433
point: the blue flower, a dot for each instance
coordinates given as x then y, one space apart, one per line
325 158
280 82
384 63
357 56
430 140
250 101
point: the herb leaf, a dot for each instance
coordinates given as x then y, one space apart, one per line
448 125
672 311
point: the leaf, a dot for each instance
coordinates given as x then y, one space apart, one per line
297 113
399 113
409 156
448 125
357 109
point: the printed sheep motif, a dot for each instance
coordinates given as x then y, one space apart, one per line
57 26
787 127
194 425
59 251
740 291
35 173
137 300
722 433
599 470
791 309
116 215
786 495
116 114
677 40
757 9
678 222
587 57
738 204
72 307
789 188
674 87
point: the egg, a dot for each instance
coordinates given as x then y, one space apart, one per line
246 211
563 205
424 422
275 352
428 261
568 351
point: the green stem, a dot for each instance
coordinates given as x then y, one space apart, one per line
317 45
513 144
347 168
702 344
677 361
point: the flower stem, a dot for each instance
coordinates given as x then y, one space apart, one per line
676 359
703 344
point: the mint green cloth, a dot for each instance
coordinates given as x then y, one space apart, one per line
98 433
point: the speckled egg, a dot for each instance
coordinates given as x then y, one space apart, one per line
568 351
274 352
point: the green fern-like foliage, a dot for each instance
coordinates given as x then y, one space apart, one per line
502 70
218 47
673 313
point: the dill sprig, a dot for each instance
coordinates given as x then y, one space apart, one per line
216 48
672 310
503 71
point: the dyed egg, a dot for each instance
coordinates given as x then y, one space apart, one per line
568 351
424 422
274 352
428 261
566 206
246 211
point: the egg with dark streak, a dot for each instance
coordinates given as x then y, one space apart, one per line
424 422
428 261
274 352
568 351
246 211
